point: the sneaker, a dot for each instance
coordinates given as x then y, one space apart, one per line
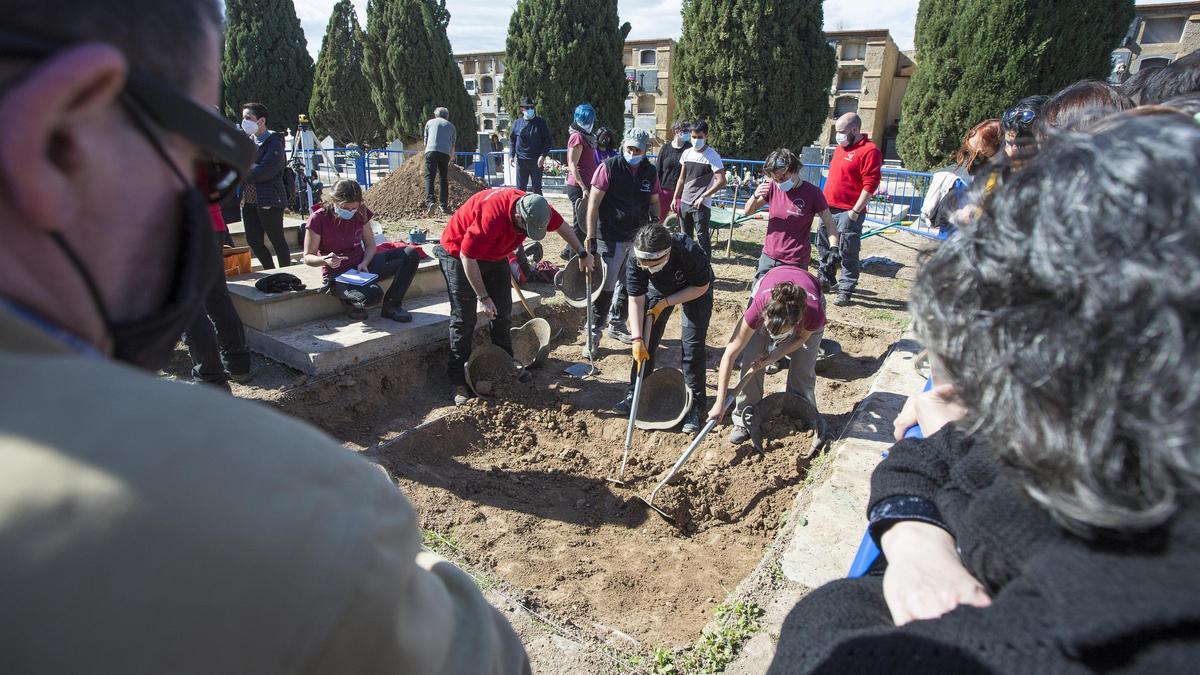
625 405
842 299
446 211
620 335
692 423
739 435
779 365
431 209
241 378
462 394
356 313
398 314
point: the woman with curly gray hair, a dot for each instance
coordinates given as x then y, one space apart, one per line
1050 521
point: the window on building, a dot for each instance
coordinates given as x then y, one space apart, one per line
499 66
843 105
645 104
649 57
488 125
850 80
854 51
486 86
468 67
1163 31
470 84
1156 62
485 66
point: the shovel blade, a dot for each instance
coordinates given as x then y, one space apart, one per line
580 370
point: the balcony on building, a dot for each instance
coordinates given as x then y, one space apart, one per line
850 79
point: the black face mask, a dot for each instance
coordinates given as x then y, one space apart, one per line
149 341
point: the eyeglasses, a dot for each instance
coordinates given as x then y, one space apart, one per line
229 153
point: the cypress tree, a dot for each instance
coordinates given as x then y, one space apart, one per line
341 104
266 60
411 70
562 53
757 70
975 58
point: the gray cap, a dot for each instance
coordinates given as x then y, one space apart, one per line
636 137
535 210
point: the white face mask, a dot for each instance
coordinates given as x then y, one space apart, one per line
250 127
659 267
842 139
699 143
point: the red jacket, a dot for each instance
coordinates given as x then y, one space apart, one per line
218 221
851 171
483 229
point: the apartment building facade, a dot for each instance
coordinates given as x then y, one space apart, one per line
1159 35
871 79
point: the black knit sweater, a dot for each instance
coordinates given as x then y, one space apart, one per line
1060 604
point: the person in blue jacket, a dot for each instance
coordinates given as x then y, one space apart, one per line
530 137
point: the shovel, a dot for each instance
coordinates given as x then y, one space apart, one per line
582 370
528 310
648 326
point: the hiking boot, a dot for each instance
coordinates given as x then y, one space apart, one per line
693 422
462 394
238 367
842 299
398 314
739 435
779 365
620 335
625 405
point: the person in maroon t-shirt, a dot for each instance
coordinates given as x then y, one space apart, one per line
339 239
474 252
786 316
854 175
793 203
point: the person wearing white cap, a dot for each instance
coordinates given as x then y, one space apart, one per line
474 252
623 197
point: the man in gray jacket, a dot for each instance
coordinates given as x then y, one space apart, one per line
440 135
148 526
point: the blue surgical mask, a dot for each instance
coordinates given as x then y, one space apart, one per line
787 184
633 159
344 214
699 143
684 138
529 113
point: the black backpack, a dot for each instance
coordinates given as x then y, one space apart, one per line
289 185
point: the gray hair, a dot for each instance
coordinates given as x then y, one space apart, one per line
442 113
1067 314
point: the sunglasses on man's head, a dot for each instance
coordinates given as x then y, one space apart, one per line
229 151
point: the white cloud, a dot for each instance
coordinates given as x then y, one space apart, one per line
481 25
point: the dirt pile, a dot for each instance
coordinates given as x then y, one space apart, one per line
401 195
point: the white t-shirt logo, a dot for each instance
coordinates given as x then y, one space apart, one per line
797 208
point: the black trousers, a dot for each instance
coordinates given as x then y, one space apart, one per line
696 315
215 334
268 220
695 226
437 163
527 171
400 264
496 275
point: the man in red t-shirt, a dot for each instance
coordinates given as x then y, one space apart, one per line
474 252
854 174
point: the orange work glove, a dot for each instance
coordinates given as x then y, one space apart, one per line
640 353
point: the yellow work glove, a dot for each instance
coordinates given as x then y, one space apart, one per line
640 353
660 307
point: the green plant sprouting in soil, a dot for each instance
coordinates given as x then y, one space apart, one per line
737 621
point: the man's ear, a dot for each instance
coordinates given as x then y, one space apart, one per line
43 125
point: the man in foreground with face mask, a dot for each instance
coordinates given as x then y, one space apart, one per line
148 526
624 190
854 175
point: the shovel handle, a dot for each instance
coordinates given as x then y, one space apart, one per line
521 295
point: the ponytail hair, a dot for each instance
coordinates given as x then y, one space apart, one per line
786 307
344 191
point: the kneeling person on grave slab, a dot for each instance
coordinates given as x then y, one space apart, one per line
474 252
668 270
340 240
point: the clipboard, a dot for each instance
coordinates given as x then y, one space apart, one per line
356 278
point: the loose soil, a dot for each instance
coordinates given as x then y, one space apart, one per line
516 485
401 196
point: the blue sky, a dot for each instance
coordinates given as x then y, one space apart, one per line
477 26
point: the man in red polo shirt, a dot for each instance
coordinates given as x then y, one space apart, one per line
474 252
854 174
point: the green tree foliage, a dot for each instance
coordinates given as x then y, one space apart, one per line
341 103
266 60
561 53
411 69
757 70
975 58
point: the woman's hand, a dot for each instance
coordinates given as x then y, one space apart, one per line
931 409
334 261
717 413
763 188
698 203
363 267
925 578
675 205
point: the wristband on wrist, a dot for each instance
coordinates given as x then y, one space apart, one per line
637 339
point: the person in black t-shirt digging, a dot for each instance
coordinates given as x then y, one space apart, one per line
624 189
669 270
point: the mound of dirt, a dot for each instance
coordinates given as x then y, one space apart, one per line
401 195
